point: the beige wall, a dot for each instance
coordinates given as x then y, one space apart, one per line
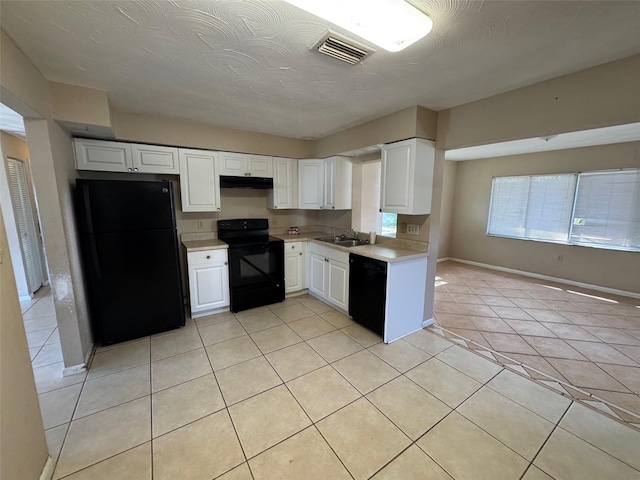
606 268
446 216
597 97
80 105
24 89
21 81
53 174
24 449
408 123
185 133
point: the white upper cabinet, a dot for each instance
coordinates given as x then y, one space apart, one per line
407 177
311 184
325 184
199 181
260 166
107 156
243 165
155 159
285 184
102 155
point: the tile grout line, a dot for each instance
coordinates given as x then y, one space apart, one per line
552 379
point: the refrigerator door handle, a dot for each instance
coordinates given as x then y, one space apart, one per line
89 223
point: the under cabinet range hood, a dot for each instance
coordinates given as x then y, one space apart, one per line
227 181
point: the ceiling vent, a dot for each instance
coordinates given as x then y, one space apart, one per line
342 49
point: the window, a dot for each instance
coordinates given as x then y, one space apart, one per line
366 216
594 208
537 207
607 211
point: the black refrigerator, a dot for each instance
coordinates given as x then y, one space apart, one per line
130 257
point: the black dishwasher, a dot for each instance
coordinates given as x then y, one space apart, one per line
367 291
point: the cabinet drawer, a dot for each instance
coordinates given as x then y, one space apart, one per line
292 247
207 256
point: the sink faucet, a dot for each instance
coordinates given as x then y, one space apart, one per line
351 233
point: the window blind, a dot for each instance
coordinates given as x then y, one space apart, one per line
537 207
607 210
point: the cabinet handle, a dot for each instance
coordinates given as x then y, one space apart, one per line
293 246
135 169
208 257
380 210
321 207
226 263
218 208
333 208
129 169
300 253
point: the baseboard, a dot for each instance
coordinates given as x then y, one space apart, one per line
597 288
49 467
74 369
444 259
427 322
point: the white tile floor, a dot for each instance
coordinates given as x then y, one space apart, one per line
299 391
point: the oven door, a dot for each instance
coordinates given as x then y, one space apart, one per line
256 274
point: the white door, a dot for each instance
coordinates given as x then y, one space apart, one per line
154 159
318 275
260 166
26 223
103 155
397 182
285 183
338 290
209 287
329 201
310 184
199 181
293 272
233 164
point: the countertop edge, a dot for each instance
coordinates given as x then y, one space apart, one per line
201 245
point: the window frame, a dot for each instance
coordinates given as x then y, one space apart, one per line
573 211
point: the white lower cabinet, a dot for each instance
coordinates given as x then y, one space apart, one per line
295 266
329 275
208 282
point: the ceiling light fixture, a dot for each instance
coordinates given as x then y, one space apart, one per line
389 24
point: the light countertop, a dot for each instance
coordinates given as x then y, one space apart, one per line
386 253
199 245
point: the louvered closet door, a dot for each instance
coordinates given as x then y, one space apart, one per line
25 222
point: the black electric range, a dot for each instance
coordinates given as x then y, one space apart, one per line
256 263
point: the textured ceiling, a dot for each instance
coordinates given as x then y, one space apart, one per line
246 63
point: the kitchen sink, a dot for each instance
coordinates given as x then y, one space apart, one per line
345 242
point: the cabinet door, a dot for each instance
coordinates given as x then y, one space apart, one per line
285 184
199 181
102 155
329 200
208 287
318 275
233 164
293 272
310 184
397 183
338 289
155 159
260 166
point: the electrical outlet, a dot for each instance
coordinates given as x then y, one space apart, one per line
200 224
559 258
403 228
274 221
413 229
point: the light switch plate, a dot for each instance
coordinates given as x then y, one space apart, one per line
413 229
